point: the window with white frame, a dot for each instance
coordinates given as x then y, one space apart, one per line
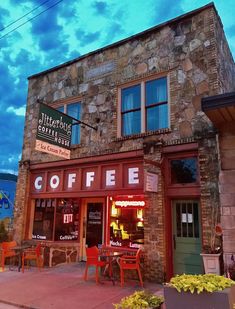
144 107
73 110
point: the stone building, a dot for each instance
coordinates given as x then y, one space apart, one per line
148 176
220 109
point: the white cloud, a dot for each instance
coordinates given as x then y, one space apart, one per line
17 111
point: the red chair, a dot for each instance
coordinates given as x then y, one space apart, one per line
130 262
8 251
33 254
92 255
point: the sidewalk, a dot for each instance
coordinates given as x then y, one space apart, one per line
63 287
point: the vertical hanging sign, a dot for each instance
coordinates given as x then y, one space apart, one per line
54 131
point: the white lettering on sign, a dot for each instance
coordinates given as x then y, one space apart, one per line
133 175
38 183
54 181
89 178
71 180
110 178
129 203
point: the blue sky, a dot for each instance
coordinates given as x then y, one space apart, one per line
69 29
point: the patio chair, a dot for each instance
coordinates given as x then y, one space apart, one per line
131 262
33 254
8 251
92 255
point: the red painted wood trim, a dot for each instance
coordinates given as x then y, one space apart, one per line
137 154
178 148
98 193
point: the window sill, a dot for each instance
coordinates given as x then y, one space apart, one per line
140 135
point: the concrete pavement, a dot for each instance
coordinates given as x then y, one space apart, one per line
62 287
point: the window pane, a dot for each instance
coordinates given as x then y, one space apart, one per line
196 220
131 123
190 219
73 110
61 109
66 226
126 227
43 220
184 171
178 220
131 98
157 117
184 220
156 91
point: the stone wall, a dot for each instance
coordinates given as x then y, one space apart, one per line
227 190
183 50
224 60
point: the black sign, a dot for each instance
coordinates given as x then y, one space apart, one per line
54 127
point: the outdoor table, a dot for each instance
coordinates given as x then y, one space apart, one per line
110 256
19 250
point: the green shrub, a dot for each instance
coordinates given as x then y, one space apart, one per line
199 283
139 300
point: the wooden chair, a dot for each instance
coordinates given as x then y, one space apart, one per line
8 251
92 255
130 262
33 254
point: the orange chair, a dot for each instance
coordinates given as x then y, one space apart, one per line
8 251
130 262
92 255
33 254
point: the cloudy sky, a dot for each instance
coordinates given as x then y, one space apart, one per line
36 35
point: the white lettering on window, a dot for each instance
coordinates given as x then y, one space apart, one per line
110 178
38 183
89 178
54 181
71 180
133 175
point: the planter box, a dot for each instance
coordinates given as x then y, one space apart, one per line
216 300
211 263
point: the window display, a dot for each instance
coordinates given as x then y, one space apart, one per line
65 214
126 227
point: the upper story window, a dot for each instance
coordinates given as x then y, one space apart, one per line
144 107
73 110
184 171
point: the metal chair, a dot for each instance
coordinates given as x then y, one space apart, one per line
131 262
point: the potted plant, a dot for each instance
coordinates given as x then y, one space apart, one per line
139 300
211 254
200 291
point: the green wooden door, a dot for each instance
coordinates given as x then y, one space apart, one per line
186 237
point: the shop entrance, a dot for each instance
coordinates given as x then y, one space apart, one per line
94 226
186 237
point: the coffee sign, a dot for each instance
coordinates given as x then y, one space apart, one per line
54 131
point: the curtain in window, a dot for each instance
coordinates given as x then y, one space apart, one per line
156 91
156 104
73 110
131 120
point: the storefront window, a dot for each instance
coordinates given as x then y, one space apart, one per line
66 223
126 227
65 215
43 219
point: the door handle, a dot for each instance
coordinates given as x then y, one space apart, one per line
174 242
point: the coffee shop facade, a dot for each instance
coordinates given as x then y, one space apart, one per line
144 165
